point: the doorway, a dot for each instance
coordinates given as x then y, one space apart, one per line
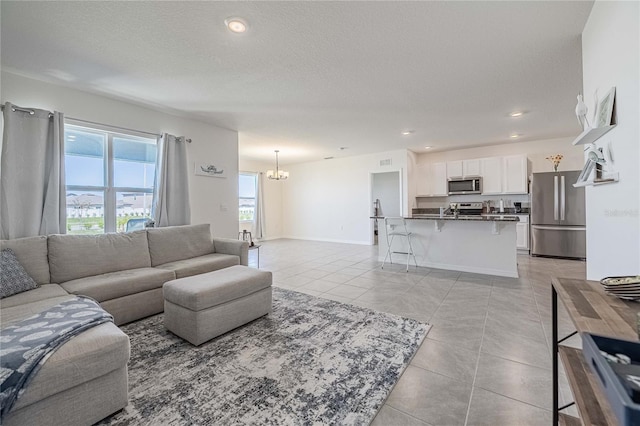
386 199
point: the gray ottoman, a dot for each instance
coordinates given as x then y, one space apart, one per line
204 306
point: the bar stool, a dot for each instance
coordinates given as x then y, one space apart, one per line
397 227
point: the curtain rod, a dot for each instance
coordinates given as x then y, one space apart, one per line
32 112
118 127
17 108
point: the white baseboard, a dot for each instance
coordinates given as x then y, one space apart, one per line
329 240
270 238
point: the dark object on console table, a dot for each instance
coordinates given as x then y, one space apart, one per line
591 311
618 373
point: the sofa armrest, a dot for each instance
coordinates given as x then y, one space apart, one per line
231 246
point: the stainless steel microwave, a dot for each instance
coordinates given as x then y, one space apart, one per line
460 186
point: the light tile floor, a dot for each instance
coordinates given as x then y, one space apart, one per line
487 358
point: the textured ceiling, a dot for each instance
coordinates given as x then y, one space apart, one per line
310 77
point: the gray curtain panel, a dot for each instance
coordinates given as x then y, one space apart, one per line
171 189
258 219
32 187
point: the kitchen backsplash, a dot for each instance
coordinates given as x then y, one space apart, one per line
436 202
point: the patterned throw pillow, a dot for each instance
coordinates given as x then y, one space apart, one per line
13 278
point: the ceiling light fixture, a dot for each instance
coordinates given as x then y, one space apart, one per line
515 135
407 132
427 147
236 25
516 114
278 174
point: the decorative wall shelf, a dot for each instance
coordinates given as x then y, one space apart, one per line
613 178
592 134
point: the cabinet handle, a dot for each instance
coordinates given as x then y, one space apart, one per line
562 203
555 198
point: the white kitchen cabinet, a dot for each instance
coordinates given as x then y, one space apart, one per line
454 169
471 168
463 168
423 183
439 179
522 233
491 172
515 176
432 180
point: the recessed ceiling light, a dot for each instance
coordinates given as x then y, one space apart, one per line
427 147
236 25
328 158
342 148
516 114
407 132
515 135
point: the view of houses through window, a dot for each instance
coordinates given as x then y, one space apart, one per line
247 196
109 178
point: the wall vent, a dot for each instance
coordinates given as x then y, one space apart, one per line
386 162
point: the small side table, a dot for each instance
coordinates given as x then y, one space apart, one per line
257 248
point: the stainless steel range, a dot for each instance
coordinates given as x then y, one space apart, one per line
468 209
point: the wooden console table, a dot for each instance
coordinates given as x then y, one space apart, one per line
592 311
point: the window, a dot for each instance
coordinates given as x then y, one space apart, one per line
247 196
109 178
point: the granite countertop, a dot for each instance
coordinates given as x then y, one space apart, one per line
509 211
477 218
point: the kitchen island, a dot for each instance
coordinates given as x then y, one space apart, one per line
484 244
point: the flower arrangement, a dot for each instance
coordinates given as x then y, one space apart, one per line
555 159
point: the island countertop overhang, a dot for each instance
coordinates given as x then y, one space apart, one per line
475 218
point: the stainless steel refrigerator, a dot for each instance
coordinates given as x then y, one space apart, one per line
558 224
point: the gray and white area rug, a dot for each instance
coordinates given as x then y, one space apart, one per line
312 361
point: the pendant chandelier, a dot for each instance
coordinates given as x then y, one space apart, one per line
278 174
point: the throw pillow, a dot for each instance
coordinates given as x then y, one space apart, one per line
13 278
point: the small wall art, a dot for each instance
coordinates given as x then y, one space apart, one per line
604 110
210 169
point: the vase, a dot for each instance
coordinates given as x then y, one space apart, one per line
555 167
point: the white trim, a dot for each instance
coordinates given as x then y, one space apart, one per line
120 131
109 191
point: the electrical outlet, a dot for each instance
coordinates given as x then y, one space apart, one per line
223 208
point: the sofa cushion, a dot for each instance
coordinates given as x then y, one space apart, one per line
118 284
93 353
179 242
20 312
78 256
201 264
13 278
32 254
46 291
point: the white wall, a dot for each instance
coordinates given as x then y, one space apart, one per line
330 200
610 52
213 200
272 198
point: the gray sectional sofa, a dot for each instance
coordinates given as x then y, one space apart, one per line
86 379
